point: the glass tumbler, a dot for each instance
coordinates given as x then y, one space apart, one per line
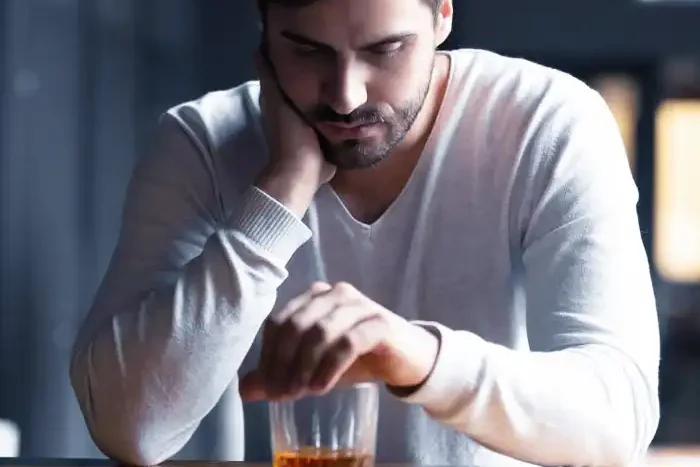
338 429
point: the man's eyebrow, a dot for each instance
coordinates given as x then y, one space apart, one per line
303 40
390 39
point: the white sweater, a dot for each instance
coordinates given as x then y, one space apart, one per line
516 236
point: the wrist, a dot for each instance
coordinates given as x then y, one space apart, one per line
422 360
294 189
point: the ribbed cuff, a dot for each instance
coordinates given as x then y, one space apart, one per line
270 225
456 372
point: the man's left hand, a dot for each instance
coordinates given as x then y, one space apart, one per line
334 335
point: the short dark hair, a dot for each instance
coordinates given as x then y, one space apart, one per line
263 4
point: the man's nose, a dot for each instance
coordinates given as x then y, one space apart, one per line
346 88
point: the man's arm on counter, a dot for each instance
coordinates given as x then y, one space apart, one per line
183 299
586 393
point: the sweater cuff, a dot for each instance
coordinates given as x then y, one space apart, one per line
270 225
455 375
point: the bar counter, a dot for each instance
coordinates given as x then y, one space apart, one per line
661 457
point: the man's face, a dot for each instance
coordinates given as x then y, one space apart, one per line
358 70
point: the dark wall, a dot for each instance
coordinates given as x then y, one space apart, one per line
618 29
82 83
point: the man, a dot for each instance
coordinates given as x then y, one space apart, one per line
460 226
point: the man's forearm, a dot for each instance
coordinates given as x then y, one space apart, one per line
589 405
147 371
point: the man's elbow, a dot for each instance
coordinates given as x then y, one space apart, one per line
627 438
647 415
128 449
123 435
132 441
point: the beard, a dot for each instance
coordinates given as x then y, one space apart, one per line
365 153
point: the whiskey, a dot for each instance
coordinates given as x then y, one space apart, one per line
322 457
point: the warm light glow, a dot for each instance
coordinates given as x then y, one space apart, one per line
621 93
677 191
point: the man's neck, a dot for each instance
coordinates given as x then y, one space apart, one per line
368 193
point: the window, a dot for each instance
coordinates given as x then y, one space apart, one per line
677 191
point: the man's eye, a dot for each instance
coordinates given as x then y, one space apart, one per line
388 49
306 51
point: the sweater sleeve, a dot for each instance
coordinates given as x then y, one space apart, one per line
586 392
184 287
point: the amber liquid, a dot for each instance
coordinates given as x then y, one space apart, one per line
313 457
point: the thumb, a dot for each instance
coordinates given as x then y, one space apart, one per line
251 387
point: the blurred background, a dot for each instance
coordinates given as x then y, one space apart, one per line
83 82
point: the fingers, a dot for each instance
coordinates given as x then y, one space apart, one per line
317 288
320 336
345 352
333 364
252 387
314 339
273 332
292 332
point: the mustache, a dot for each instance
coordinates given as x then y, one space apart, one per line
359 116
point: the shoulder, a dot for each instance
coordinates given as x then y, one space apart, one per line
209 148
215 119
547 135
520 91
527 112
216 138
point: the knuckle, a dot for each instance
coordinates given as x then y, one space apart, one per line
344 288
361 338
319 287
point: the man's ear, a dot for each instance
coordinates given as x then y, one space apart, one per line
443 22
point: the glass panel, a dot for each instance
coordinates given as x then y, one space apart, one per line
677 191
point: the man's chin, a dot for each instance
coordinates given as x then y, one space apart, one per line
354 159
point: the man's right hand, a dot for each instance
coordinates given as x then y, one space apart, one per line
296 167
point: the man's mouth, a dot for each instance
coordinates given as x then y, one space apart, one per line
342 130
